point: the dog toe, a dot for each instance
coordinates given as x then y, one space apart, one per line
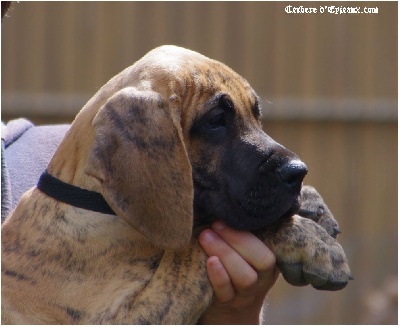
293 273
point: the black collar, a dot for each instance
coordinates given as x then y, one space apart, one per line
73 195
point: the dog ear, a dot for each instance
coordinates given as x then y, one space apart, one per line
140 159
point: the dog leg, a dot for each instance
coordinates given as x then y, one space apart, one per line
178 293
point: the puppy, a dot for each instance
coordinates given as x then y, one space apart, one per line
109 235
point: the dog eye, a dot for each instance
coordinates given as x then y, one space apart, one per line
226 103
216 121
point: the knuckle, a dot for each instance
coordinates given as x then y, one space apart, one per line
266 262
249 280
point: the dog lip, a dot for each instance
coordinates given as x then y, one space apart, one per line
295 208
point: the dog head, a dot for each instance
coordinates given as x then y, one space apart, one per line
178 135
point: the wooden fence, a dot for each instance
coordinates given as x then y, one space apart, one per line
331 85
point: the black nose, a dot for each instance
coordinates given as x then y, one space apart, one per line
292 172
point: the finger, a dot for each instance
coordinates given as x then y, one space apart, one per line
242 275
220 281
250 248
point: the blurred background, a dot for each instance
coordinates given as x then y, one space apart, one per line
329 88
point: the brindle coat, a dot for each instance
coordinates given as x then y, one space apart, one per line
172 143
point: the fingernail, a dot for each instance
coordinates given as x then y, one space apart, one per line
208 236
214 262
218 226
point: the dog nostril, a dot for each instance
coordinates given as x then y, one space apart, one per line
293 172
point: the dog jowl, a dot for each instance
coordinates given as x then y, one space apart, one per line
258 181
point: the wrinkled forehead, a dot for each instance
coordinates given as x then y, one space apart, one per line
215 80
198 80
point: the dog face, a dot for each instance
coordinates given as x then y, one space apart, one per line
183 132
240 174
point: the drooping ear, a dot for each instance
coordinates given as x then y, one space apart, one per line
140 159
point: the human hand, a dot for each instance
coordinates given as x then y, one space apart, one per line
241 270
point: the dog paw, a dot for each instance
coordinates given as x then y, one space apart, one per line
306 254
313 206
